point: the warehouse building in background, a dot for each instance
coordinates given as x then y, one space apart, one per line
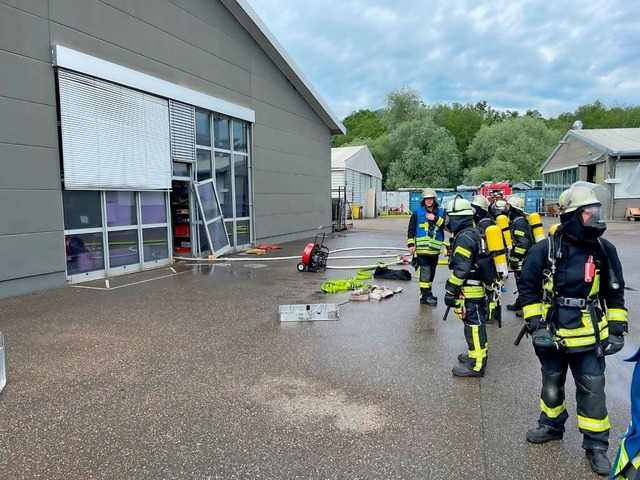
355 176
137 132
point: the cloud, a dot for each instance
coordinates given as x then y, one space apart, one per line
529 54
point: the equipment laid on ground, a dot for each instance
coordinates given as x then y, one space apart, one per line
308 313
314 256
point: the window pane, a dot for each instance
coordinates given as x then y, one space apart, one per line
241 172
154 207
81 209
208 200
243 232
239 137
204 164
221 133
156 245
203 129
121 209
123 248
223 183
85 253
180 169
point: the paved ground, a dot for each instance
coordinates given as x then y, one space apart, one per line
191 375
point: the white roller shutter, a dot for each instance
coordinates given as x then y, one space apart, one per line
113 137
183 131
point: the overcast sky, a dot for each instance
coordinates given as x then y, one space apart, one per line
548 55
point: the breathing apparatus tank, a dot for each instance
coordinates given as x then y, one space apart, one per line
536 227
553 228
496 245
503 223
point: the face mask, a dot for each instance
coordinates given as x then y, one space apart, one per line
591 220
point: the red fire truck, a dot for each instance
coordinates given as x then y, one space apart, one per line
494 190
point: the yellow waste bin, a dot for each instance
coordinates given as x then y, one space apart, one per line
356 211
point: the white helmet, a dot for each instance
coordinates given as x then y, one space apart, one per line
459 206
516 202
581 194
429 193
480 201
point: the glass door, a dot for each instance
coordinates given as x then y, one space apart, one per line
213 233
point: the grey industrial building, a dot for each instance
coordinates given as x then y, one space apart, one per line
608 156
134 132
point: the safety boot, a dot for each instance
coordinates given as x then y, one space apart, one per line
542 434
464 371
427 298
598 460
463 357
514 306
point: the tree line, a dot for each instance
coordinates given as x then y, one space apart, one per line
445 145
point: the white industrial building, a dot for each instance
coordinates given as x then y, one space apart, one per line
355 176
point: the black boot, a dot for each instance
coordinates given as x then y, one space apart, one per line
463 357
427 298
599 461
464 371
542 434
515 305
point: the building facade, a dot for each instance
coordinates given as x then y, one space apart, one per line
137 132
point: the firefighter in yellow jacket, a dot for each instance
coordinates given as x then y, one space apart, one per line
572 292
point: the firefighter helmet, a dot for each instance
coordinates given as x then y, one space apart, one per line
459 206
480 201
516 202
428 193
581 194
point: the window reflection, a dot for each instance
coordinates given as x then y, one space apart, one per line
121 209
221 133
85 253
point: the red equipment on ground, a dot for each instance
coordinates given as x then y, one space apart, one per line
494 190
314 256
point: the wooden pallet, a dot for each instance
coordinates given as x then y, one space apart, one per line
631 213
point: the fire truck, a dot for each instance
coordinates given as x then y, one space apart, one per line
494 190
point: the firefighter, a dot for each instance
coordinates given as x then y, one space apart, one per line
522 238
464 290
481 216
425 238
572 292
483 219
497 207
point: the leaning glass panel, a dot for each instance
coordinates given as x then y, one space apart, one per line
154 207
121 209
123 248
218 235
208 200
155 244
81 209
85 253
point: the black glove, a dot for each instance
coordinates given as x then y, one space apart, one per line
514 264
451 294
614 344
618 328
414 262
544 343
534 323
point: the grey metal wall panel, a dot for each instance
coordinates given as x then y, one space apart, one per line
25 123
20 286
30 211
24 78
31 255
202 32
106 23
570 154
283 162
24 34
282 120
36 7
26 167
281 140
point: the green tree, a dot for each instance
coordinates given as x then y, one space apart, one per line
461 121
360 124
423 154
403 105
513 150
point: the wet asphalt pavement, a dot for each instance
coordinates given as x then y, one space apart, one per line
192 375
